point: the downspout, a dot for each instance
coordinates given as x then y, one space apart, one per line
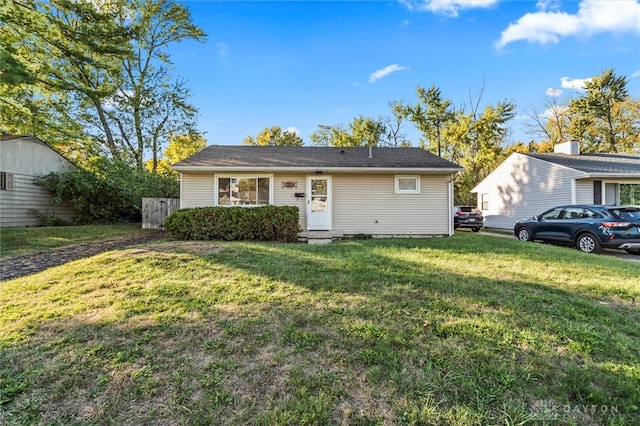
450 208
573 191
181 178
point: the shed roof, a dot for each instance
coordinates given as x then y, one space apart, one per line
301 157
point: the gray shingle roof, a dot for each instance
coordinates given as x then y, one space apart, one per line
228 156
606 164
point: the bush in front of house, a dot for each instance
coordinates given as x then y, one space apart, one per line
107 190
265 223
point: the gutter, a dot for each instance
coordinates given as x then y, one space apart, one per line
614 175
311 169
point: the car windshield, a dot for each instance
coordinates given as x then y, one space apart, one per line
627 213
469 209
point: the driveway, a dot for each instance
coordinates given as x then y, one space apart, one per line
27 264
620 254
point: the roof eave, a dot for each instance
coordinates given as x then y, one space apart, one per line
613 175
310 169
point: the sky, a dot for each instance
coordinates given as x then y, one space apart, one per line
299 64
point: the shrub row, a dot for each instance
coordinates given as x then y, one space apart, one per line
265 223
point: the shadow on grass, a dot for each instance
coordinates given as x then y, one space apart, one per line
402 330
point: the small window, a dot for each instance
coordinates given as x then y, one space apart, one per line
407 184
484 198
7 181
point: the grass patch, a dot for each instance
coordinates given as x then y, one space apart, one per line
15 241
464 330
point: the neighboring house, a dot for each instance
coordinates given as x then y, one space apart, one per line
525 185
374 191
22 159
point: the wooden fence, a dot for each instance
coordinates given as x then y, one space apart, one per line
156 210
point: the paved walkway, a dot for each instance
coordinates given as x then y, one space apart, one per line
27 264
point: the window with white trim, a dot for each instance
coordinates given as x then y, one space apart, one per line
243 191
7 181
407 184
484 199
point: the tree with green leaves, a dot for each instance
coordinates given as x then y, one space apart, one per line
102 69
324 135
605 118
361 131
395 137
151 105
431 116
275 135
479 137
472 138
57 55
107 190
179 148
553 124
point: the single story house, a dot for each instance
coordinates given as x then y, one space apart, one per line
381 192
22 159
526 185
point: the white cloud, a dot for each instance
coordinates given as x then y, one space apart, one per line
449 8
575 84
292 130
385 72
548 25
548 5
554 92
223 49
636 74
554 111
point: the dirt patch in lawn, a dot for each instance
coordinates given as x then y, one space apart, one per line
180 247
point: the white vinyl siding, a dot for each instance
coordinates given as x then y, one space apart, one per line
24 160
368 204
16 206
524 186
362 204
197 190
285 188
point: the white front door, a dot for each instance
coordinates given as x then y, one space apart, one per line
318 203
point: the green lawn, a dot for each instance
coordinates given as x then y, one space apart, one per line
15 241
466 330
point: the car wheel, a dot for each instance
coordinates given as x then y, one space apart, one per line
633 251
476 229
524 234
588 243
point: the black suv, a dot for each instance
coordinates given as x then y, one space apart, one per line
467 217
